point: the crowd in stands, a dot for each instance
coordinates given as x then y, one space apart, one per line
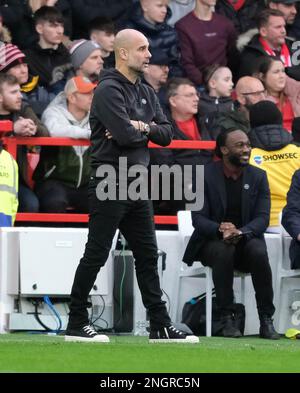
216 64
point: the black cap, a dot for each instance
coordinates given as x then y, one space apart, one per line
264 113
159 57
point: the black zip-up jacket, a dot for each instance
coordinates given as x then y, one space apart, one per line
243 19
116 102
270 137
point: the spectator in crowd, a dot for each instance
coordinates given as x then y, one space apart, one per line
218 88
242 13
84 11
150 17
63 172
25 123
102 32
14 62
19 17
8 188
289 10
180 8
273 151
280 88
269 42
49 59
248 91
5 35
294 29
156 74
291 219
229 229
86 59
205 38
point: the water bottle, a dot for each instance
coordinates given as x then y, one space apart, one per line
140 328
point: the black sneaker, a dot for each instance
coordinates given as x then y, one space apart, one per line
85 334
267 329
170 334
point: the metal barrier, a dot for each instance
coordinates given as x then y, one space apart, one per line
11 144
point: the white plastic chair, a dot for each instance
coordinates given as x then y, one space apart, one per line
185 228
283 270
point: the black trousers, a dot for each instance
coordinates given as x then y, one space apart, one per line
56 197
135 221
248 256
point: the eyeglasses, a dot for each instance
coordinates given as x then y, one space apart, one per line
255 93
189 95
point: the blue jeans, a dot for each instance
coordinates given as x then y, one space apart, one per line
28 201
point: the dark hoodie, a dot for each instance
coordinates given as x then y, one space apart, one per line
270 137
116 102
209 104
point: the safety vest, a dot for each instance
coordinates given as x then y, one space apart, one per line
8 189
280 166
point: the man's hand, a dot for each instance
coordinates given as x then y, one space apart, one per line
135 124
232 236
108 134
225 226
298 237
24 127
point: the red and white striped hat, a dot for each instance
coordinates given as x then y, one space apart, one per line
10 55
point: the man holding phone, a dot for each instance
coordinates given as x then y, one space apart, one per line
229 229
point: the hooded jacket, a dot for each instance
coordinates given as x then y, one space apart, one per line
67 164
273 151
117 101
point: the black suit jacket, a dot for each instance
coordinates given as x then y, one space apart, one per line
255 207
291 219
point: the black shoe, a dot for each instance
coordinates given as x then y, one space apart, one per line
267 329
229 328
170 334
85 334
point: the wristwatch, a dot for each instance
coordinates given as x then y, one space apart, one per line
146 129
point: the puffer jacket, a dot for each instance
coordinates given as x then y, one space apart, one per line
243 19
161 36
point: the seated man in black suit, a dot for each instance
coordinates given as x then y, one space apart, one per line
291 219
229 229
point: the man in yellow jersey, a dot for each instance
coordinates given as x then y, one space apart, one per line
273 151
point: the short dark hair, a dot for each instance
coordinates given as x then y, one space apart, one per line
264 64
174 83
102 24
222 139
48 14
264 16
6 78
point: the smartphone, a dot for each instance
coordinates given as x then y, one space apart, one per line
238 236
